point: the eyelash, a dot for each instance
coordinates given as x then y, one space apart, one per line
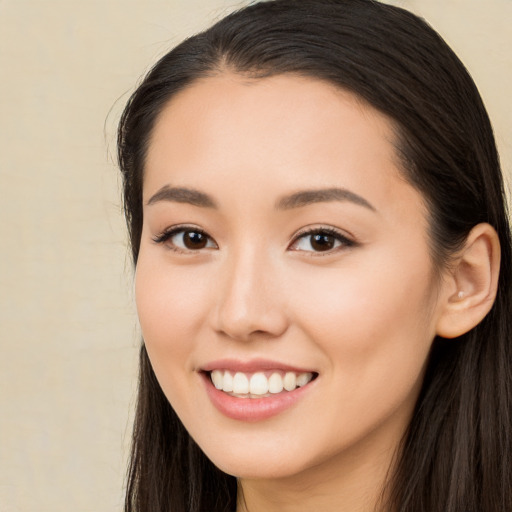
344 241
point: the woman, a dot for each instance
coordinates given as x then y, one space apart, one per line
322 252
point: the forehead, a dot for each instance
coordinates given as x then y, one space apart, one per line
285 130
258 105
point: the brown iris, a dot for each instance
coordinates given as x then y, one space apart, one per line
322 241
194 240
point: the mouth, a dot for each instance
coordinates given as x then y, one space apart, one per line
256 390
259 384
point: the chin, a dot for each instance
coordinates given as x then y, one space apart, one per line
258 459
259 468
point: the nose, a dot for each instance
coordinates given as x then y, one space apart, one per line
250 301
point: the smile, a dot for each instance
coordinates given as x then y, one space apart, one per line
257 390
259 384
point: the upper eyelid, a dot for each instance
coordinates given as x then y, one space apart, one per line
309 230
181 227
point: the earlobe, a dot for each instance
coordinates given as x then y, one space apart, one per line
471 288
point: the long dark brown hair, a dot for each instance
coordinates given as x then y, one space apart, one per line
456 455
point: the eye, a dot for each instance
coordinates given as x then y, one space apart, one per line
186 239
320 240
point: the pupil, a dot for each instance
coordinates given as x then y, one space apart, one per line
322 242
194 240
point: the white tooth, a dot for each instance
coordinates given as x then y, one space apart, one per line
240 383
227 382
290 381
275 383
258 384
304 378
217 379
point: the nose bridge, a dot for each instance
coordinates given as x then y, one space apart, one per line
249 299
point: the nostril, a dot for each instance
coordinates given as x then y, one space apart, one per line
248 309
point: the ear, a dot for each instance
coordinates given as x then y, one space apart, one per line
470 288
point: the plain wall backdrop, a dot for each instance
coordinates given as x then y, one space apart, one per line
69 335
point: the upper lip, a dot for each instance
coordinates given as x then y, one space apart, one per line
251 366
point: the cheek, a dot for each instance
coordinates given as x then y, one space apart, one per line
170 304
374 321
376 332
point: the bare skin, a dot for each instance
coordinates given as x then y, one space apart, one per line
240 178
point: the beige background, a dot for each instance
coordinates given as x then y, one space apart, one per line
68 328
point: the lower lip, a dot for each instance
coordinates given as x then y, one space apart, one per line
253 409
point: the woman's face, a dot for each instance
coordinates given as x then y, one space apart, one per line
281 247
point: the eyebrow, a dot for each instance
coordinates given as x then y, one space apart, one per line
307 197
182 195
289 202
